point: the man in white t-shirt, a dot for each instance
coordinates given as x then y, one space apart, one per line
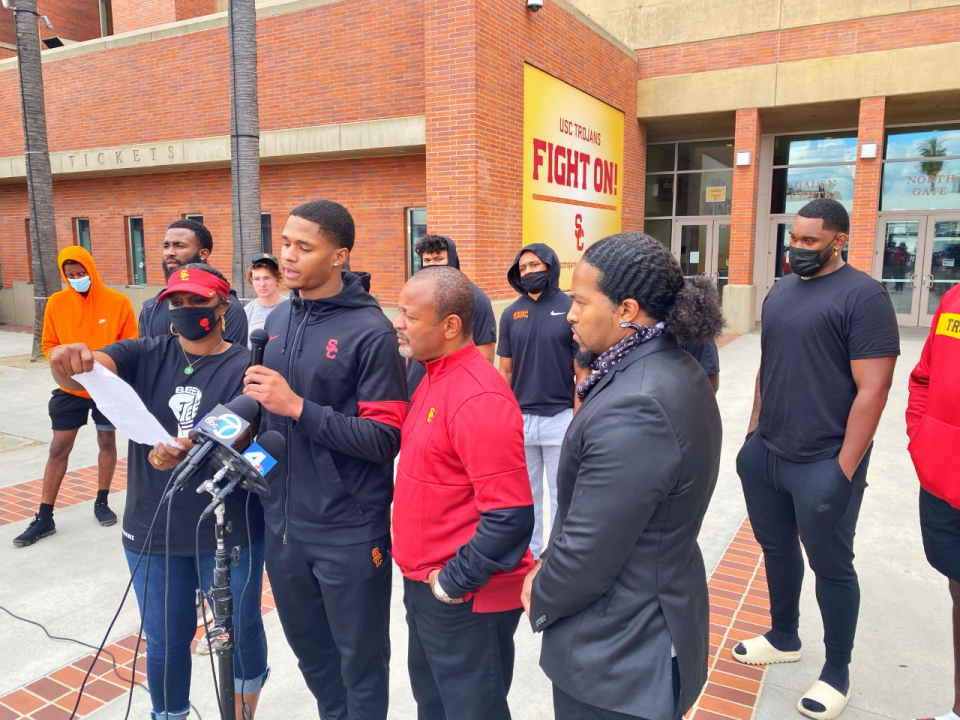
264 275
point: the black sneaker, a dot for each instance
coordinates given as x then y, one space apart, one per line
41 527
105 516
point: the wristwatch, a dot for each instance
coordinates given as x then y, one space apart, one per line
441 593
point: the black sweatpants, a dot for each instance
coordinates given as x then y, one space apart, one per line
334 606
813 503
460 662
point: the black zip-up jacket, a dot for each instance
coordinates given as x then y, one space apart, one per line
341 355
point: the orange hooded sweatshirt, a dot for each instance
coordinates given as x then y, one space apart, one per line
104 316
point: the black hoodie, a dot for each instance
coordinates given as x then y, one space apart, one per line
340 354
484 323
537 336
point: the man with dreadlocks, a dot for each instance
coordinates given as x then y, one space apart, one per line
620 593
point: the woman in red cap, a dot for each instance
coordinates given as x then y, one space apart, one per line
180 378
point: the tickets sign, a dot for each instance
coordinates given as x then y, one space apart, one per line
572 168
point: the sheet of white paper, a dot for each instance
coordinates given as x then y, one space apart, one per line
122 406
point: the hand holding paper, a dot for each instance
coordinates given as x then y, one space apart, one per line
123 407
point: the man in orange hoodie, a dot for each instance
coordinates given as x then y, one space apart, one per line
91 313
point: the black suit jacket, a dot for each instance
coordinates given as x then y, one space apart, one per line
623 578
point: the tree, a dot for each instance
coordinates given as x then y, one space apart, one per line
43 229
244 138
931 148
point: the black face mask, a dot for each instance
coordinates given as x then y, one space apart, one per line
193 323
809 262
534 283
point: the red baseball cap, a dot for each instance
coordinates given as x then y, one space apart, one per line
198 282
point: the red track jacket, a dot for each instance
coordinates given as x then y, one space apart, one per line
461 457
933 412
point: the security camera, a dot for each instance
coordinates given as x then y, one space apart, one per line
534 5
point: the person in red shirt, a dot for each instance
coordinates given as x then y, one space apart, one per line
933 425
463 510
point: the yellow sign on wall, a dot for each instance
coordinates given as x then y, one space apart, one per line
572 168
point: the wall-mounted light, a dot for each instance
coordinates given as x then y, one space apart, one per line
743 158
868 151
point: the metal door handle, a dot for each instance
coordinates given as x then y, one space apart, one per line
913 281
930 281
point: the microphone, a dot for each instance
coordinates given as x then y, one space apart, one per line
252 469
224 428
258 342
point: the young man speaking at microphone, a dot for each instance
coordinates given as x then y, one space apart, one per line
333 384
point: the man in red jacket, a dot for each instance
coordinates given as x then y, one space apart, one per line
933 425
463 511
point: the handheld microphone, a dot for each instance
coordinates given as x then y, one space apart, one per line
252 469
222 429
258 342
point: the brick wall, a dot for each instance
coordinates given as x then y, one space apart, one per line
375 190
315 67
866 196
71 19
474 57
746 185
888 32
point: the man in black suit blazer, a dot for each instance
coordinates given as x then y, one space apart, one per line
620 594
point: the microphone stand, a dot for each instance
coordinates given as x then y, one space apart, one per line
222 633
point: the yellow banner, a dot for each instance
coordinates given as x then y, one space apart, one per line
949 324
572 168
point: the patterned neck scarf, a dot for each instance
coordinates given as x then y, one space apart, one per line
612 355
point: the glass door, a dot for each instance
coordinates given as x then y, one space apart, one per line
902 243
941 264
703 248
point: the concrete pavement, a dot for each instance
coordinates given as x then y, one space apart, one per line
72 582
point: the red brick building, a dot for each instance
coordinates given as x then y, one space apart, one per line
411 113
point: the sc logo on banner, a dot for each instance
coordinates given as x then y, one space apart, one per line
578 230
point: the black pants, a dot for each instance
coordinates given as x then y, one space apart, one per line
813 503
566 707
334 606
460 662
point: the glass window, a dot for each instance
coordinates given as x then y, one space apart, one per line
659 230
708 155
812 149
930 184
83 233
704 193
194 216
923 142
138 265
416 229
660 195
106 18
795 187
266 233
660 158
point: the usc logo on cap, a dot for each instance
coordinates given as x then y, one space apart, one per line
184 275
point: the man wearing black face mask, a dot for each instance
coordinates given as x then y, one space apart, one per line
186 242
536 352
828 350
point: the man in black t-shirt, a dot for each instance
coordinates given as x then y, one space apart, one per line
536 352
185 242
709 358
828 349
441 250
